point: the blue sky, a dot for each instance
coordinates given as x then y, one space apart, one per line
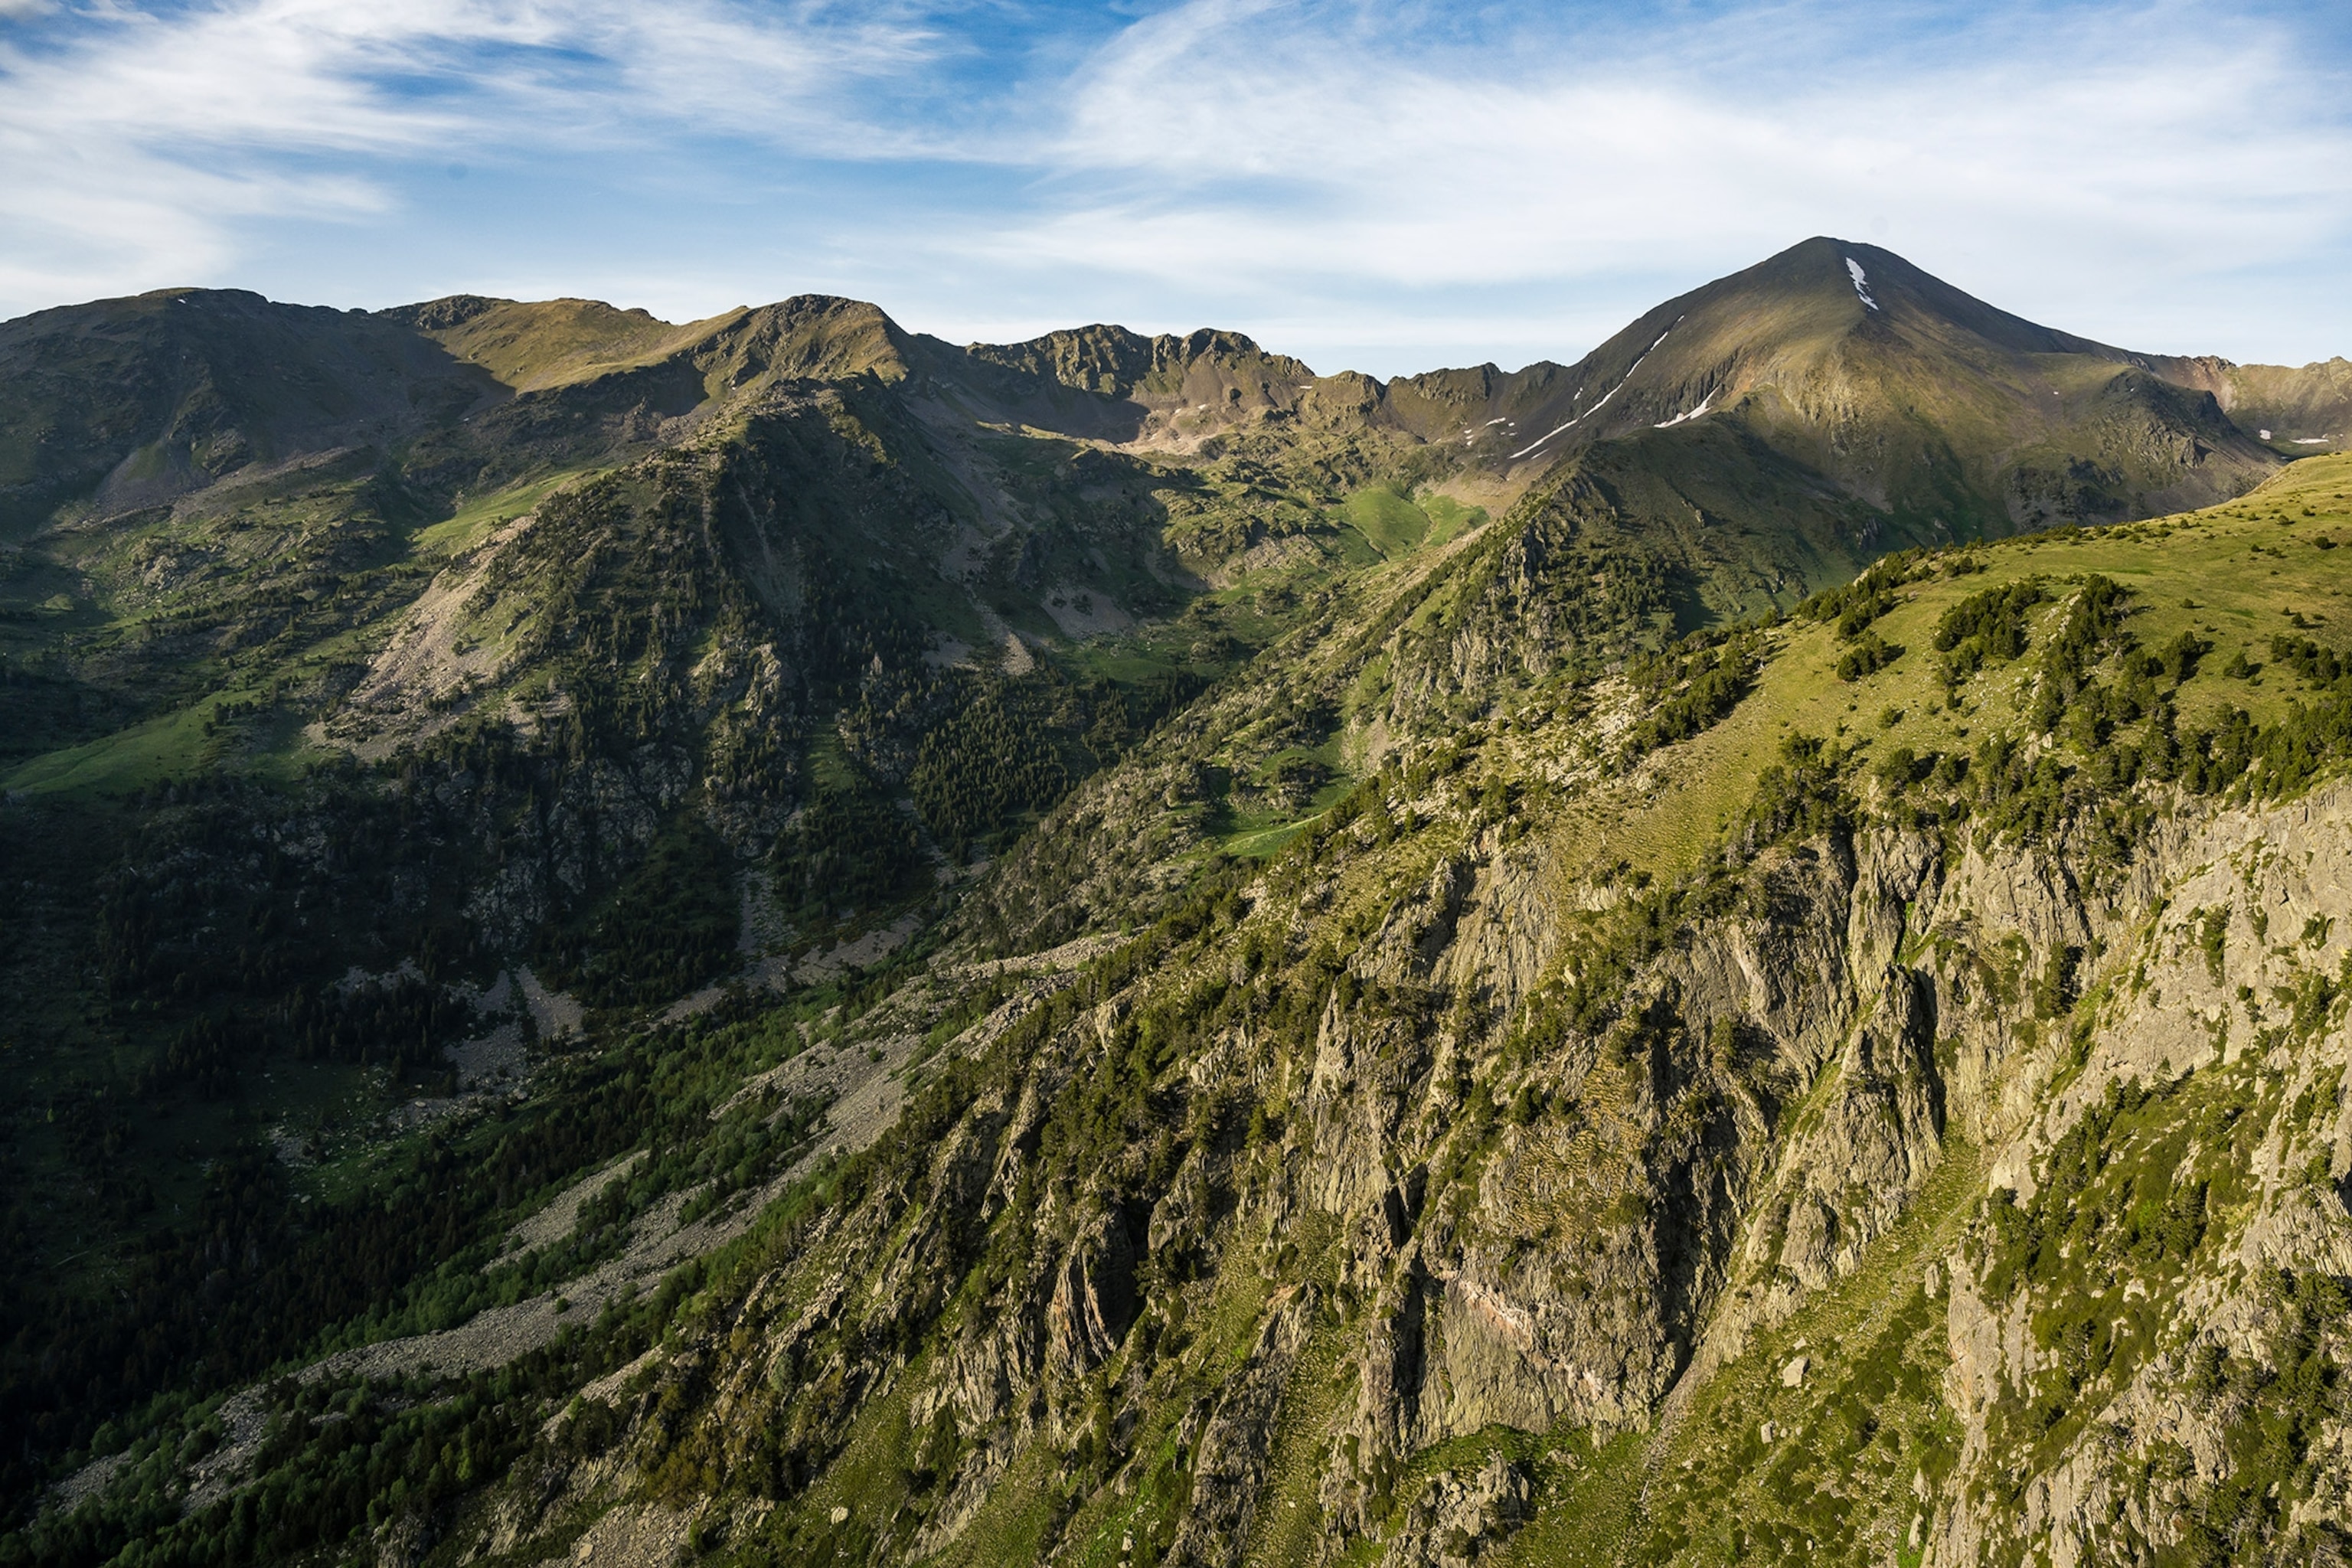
1381 187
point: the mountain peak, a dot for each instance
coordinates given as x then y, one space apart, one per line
1117 362
1865 278
1931 405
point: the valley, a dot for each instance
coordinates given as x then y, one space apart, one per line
775 940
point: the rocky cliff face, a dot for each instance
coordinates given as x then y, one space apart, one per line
1515 1173
1487 1078
2200 1249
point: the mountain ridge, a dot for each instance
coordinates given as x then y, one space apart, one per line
777 940
1775 343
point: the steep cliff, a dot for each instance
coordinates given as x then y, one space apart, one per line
1935 1150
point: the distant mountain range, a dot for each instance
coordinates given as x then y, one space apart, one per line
1933 407
775 941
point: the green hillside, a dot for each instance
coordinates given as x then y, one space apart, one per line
776 940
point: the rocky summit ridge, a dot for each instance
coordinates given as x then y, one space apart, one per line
775 940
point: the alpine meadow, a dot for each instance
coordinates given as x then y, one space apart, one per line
779 942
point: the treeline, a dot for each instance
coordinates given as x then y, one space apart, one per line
404 1022
997 757
846 849
2093 686
1693 684
1007 750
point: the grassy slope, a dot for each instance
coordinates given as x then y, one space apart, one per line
1396 523
2241 566
1835 1484
536 345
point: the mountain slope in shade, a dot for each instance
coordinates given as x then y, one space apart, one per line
122 402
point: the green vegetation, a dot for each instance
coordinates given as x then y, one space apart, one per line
1824 1471
667 928
989 761
1985 628
1178 991
1690 690
1395 521
846 850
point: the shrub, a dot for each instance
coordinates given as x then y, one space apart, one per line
1868 655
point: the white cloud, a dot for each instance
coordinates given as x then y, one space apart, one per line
1372 183
137 143
1229 140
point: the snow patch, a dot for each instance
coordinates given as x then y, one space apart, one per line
1704 403
1861 282
2312 440
1604 397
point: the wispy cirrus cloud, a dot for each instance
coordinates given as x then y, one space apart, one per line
2077 159
139 141
1386 183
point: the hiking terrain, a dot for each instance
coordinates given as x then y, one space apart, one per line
774 940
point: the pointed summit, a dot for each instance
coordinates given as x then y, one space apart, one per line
1954 415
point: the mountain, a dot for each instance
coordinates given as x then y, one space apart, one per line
1954 418
1950 414
1939 410
1890 381
777 940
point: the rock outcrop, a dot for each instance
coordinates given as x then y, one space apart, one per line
1462 1517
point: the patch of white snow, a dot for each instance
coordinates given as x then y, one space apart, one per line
1703 404
1604 397
1861 283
